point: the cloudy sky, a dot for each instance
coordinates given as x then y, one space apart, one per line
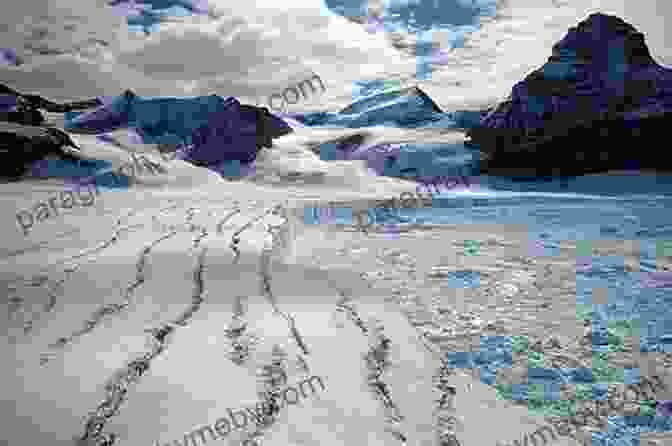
463 53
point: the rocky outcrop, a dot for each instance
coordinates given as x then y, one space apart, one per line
407 108
21 145
467 119
404 95
269 126
23 140
600 102
25 108
211 129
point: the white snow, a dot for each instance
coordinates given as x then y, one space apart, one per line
91 257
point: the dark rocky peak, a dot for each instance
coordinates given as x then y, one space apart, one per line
599 91
416 91
600 38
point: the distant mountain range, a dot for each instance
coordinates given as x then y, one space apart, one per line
599 103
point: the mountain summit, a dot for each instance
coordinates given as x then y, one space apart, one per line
599 86
408 107
403 95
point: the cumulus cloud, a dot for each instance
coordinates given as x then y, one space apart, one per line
176 52
82 48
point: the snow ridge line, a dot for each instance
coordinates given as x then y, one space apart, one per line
91 251
16 302
118 386
115 308
346 305
349 309
265 277
97 316
235 239
41 278
377 361
446 422
218 226
445 419
117 389
240 341
115 236
271 395
203 232
106 243
197 275
236 330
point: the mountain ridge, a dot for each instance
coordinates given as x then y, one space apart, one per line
600 86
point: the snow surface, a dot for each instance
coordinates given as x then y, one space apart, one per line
162 251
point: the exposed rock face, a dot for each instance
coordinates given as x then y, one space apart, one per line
211 129
21 145
236 133
22 140
24 108
407 107
467 119
14 108
403 95
599 103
